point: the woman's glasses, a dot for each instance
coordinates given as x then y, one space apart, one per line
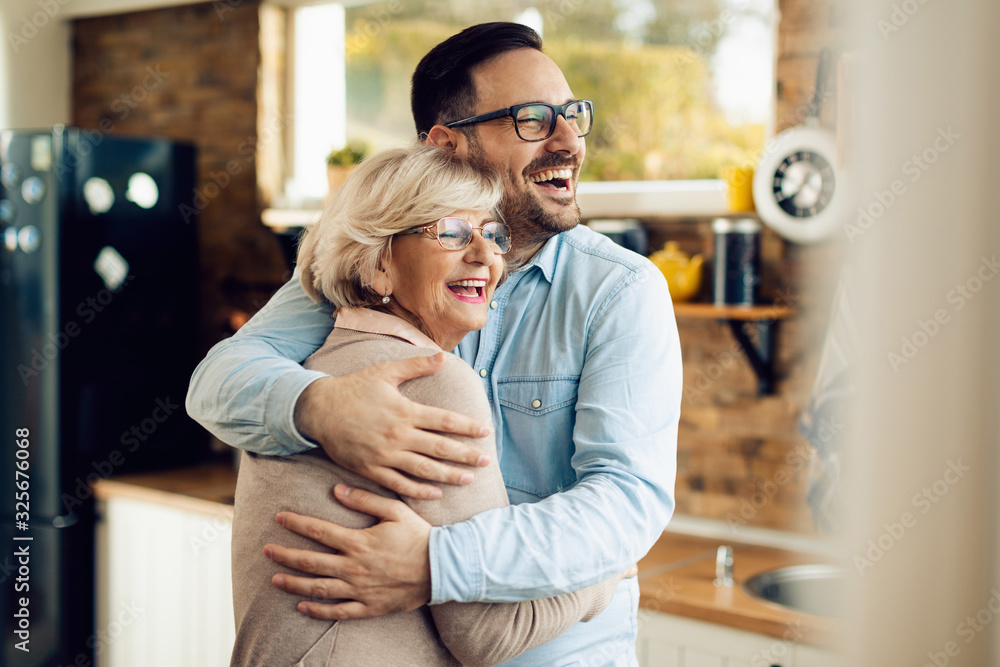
455 234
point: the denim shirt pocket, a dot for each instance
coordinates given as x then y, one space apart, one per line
539 414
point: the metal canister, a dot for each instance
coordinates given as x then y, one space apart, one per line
627 233
737 262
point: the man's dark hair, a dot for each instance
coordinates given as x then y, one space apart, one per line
442 89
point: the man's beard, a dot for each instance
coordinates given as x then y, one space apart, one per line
530 224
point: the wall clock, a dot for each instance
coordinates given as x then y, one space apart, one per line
798 189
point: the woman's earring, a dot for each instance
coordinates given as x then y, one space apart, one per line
385 299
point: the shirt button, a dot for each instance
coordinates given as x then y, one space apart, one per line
494 304
482 372
536 403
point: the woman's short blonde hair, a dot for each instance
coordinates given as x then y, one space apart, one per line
388 193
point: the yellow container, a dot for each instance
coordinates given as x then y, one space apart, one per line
739 195
683 273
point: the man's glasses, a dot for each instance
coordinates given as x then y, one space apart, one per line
455 234
537 121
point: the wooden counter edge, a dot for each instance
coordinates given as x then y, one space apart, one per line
815 631
689 594
106 489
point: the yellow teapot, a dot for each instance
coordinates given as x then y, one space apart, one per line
683 273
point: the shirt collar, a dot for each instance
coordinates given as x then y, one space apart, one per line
545 259
375 322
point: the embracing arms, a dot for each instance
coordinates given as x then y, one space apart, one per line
627 413
490 632
251 392
624 456
477 633
624 445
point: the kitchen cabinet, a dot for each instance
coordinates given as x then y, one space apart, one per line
808 656
666 640
165 598
164 587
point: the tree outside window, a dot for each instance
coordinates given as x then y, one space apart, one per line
682 88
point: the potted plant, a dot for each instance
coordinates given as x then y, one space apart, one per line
341 161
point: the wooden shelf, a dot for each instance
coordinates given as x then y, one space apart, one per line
761 348
736 215
709 311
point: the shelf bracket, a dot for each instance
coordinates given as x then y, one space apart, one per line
760 354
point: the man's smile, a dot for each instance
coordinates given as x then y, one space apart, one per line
553 179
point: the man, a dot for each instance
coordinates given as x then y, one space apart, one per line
581 363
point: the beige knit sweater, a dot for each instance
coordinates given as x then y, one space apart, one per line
270 631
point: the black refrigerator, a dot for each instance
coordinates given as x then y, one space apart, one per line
98 271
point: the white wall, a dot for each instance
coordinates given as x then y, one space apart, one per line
35 57
34 64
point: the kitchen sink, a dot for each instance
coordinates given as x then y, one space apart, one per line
813 589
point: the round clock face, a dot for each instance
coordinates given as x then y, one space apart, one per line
803 184
798 190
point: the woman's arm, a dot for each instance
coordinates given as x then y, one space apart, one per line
489 633
475 633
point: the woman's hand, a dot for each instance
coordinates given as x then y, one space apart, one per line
383 569
364 424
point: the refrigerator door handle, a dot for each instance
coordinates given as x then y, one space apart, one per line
61 521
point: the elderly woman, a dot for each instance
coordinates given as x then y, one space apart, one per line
410 250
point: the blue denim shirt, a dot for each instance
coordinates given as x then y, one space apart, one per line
581 363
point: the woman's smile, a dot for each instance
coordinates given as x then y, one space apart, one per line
440 291
469 290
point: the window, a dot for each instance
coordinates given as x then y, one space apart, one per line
682 88
318 96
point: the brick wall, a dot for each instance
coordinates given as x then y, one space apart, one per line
732 442
806 28
191 72
740 457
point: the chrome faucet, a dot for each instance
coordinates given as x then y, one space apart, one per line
724 566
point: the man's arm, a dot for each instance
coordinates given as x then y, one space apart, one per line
252 392
245 390
626 448
625 440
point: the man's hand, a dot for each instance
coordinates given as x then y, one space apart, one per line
384 569
364 424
